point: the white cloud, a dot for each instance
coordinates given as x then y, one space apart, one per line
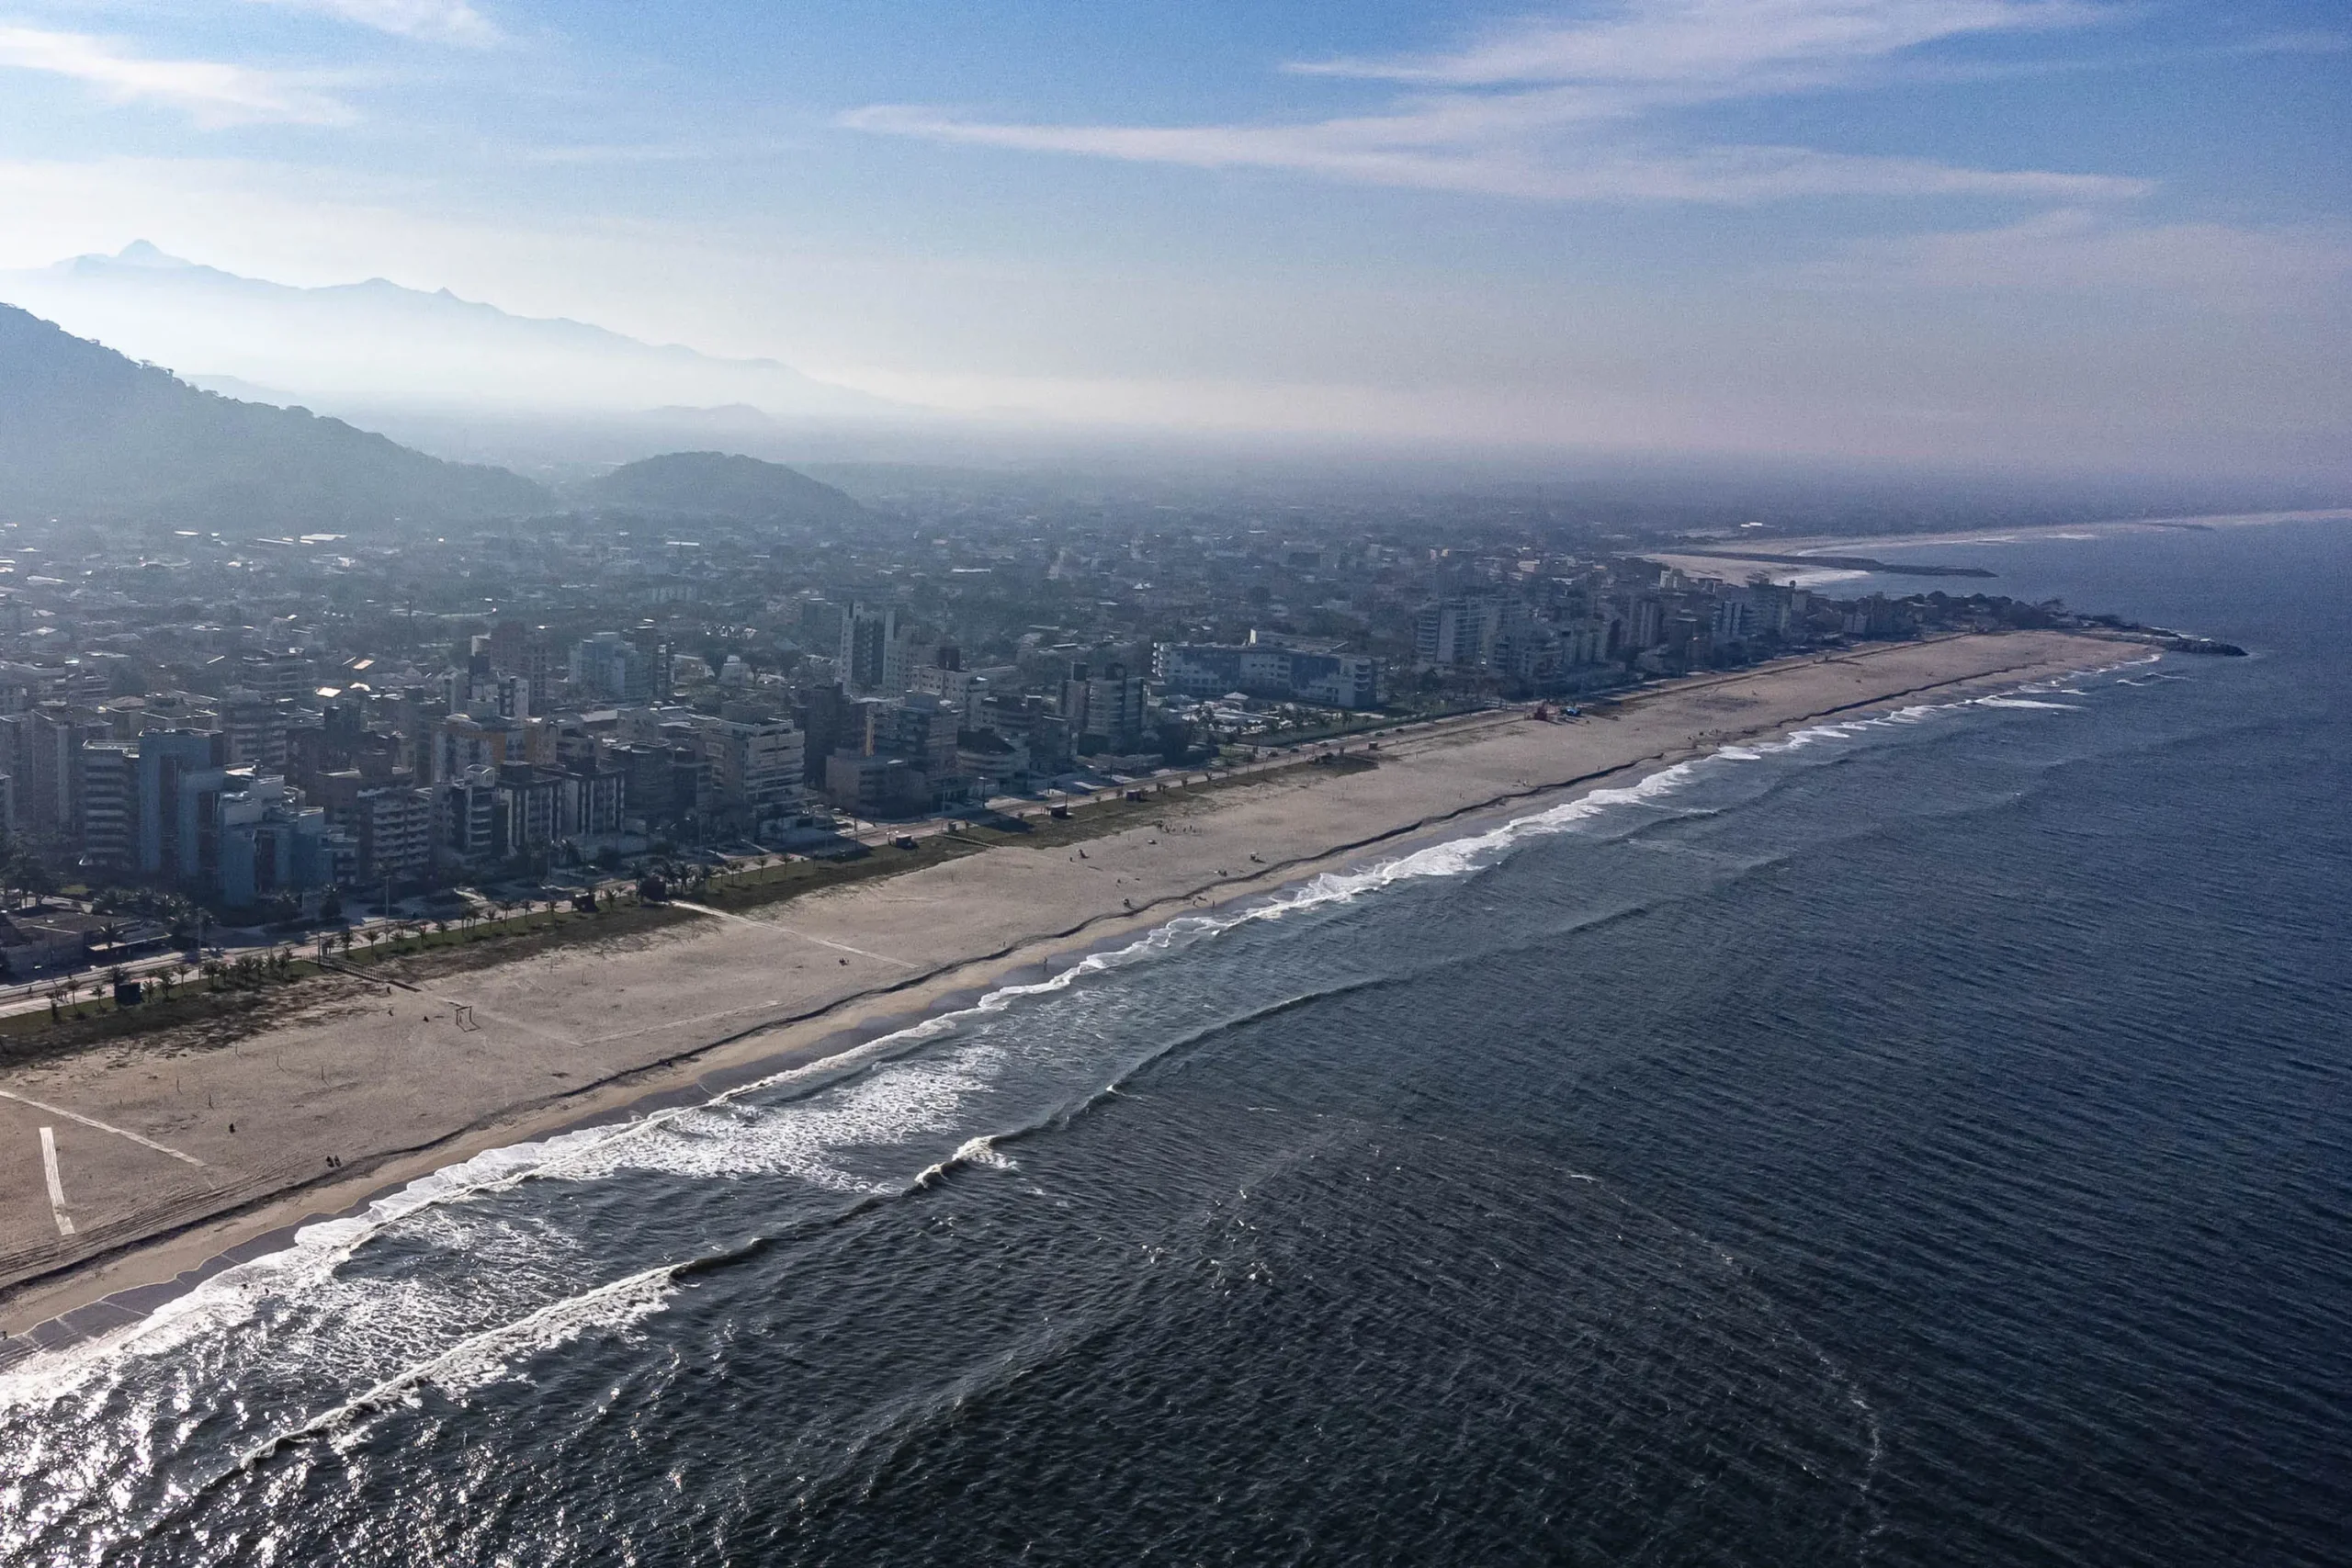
1483 146
2073 251
212 92
1749 364
1528 112
1725 45
439 21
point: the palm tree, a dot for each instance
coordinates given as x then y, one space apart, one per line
343 941
73 992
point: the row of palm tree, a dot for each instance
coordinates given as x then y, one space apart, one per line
248 971
66 990
405 935
689 877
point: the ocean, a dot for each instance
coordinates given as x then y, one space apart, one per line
1918 1140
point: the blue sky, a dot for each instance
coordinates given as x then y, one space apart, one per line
2036 232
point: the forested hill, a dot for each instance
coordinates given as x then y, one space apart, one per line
716 484
86 431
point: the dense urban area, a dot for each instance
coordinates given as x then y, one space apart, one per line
208 730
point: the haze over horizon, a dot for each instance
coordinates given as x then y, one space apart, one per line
2040 234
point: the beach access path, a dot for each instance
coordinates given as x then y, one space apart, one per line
166 1155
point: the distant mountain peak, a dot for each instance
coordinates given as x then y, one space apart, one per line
378 341
145 253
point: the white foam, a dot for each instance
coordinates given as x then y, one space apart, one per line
2028 703
891 1102
884 1107
492 1355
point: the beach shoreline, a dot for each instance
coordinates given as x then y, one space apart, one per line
804 981
1721 557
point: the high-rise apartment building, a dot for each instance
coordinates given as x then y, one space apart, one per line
873 660
607 667
1105 708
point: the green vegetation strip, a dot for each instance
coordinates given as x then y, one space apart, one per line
226 1004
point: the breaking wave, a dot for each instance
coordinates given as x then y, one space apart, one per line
389 1336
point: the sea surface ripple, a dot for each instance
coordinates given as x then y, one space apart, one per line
1915 1140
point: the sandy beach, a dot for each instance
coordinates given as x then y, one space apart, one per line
1899 548
164 1159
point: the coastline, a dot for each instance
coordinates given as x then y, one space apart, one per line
397 1097
1725 556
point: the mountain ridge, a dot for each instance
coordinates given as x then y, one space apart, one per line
86 431
377 339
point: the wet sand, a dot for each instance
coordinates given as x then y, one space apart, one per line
157 1188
